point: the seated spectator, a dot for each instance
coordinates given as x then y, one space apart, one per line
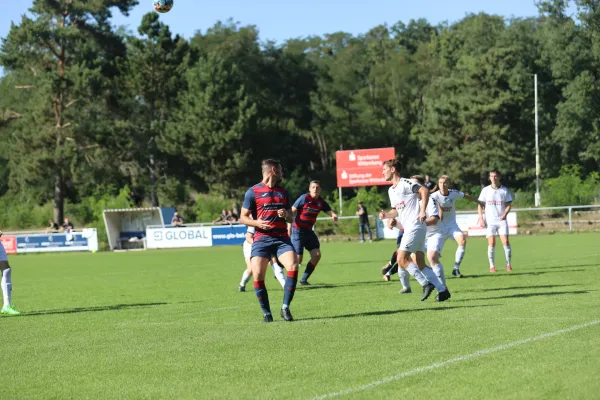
222 217
177 220
231 217
52 226
67 226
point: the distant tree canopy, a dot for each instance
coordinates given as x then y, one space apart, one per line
86 108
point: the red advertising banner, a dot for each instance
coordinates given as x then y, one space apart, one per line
362 167
9 243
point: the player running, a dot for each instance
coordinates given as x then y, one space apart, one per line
6 282
497 200
404 197
267 208
449 229
306 209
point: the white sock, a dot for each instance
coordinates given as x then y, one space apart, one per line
491 255
404 278
6 285
413 270
507 254
278 271
439 271
432 277
245 278
460 253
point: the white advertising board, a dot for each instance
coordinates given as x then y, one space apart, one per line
171 238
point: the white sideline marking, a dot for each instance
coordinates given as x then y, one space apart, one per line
467 357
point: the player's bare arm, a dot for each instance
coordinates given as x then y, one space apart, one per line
392 214
333 215
480 219
424 192
246 219
508 207
432 220
475 199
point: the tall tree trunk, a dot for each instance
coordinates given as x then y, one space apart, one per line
59 197
153 181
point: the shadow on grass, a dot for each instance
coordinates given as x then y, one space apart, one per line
521 287
570 266
526 295
339 285
509 274
401 311
115 307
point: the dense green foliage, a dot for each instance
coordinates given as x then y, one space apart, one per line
86 109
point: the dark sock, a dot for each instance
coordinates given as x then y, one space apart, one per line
394 258
263 296
394 269
308 271
290 287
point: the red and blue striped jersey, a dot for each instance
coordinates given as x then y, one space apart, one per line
263 202
308 208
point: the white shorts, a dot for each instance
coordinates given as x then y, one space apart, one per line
414 239
500 228
247 247
452 230
3 256
435 241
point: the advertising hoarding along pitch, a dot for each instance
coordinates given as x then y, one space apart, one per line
362 167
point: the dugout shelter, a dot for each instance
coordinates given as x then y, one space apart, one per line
126 227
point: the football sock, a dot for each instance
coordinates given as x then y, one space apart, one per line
263 296
290 287
310 267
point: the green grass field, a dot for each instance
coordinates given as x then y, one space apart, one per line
171 325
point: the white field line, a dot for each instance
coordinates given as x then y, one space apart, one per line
456 360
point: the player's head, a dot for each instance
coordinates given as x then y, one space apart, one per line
495 177
419 179
444 182
314 188
391 168
272 168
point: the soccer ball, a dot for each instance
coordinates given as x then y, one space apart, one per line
162 6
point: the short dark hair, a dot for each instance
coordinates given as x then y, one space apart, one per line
269 163
419 179
396 164
496 171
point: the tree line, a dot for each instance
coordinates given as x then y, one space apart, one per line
88 108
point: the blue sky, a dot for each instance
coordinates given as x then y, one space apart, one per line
280 20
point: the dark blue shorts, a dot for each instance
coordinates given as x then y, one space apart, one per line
267 247
304 239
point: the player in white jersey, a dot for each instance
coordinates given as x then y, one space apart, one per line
404 197
6 282
497 200
431 222
247 249
449 229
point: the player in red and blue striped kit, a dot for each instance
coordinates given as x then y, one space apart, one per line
306 208
268 204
